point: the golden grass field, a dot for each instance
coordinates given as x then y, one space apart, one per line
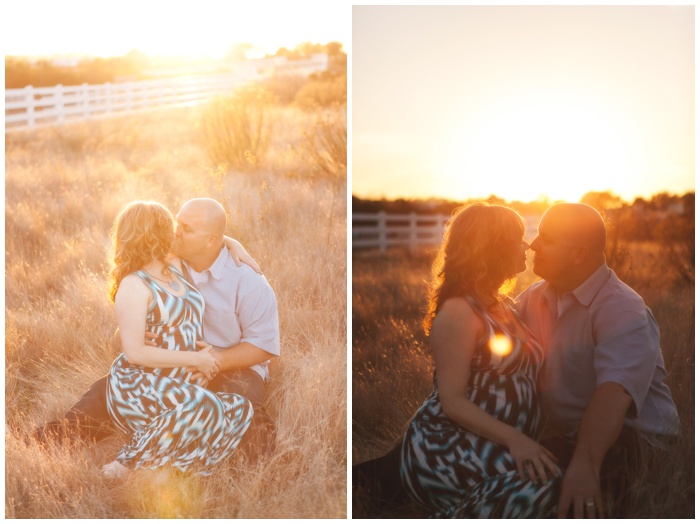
64 186
392 367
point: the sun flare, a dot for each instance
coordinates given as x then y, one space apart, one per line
500 345
558 146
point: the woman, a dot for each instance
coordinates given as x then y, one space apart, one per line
470 450
171 421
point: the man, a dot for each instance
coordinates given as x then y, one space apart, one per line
240 322
602 385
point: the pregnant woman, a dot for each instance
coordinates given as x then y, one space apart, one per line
470 451
170 420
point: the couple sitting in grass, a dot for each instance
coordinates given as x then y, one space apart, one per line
197 330
542 405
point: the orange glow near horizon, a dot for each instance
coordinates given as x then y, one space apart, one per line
527 103
549 145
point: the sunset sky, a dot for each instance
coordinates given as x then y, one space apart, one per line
522 102
158 27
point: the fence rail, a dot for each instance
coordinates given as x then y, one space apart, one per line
30 107
382 230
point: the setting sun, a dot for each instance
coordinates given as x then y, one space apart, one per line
522 102
554 143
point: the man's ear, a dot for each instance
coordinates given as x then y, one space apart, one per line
580 254
213 240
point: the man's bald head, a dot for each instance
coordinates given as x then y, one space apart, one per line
201 225
570 245
578 224
206 214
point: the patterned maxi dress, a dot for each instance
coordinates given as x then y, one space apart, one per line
458 474
173 422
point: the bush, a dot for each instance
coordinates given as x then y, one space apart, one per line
325 143
235 130
324 90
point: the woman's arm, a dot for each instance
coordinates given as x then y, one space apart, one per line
453 337
131 307
239 254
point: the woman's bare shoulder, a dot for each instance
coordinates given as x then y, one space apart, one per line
457 307
131 286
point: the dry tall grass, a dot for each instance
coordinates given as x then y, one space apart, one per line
64 187
392 368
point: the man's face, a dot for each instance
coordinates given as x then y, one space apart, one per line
192 235
554 249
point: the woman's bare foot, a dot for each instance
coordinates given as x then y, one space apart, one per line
114 471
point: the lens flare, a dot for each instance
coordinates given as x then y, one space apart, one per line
500 345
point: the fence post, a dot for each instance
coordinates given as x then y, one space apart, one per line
58 104
85 101
413 233
381 225
29 99
127 95
108 97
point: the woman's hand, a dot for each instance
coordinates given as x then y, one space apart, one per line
239 254
533 461
206 363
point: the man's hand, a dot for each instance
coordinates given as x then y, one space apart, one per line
581 489
150 339
197 376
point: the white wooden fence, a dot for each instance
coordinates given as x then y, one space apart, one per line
30 107
381 230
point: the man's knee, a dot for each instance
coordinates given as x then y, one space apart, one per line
87 419
246 383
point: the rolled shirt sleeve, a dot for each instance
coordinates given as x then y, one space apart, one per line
256 310
625 353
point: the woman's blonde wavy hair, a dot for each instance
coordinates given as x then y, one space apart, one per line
143 231
476 256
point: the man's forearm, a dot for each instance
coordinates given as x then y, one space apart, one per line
242 356
602 423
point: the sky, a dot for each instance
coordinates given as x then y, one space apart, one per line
158 27
522 102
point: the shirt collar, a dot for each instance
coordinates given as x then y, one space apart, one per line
215 270
587 291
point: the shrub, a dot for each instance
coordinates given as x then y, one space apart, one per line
323 90
325 143
235 130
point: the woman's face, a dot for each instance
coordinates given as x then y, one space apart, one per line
518 250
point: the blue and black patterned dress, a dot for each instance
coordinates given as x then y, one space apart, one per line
458 474
173 422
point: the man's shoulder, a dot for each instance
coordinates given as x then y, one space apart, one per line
616 296
245 276
535 289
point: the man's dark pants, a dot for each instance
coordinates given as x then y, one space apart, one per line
89 420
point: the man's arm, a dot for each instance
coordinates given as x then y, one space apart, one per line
241 356
601 426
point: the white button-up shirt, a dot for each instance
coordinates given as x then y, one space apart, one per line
239 306
600 332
